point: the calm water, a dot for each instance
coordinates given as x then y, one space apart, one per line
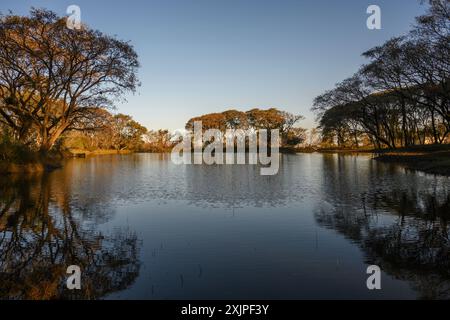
141 227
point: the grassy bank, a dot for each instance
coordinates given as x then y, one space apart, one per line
17 158
33 162
40 164
433 159
36 165
83 153
345 150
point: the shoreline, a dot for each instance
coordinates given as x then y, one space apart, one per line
79 153
29 168
432 159
37 166
432 163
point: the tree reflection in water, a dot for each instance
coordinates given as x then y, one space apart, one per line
403 230
40 236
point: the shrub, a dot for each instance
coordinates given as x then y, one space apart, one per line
11 151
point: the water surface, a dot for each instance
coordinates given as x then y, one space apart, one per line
141 227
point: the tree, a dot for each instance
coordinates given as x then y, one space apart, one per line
235 119
313 137
265 119
254 119
401 97
52 76
126 133
294 137
158 141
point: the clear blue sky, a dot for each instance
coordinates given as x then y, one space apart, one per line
202 56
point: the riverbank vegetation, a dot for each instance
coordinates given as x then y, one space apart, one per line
57 92
399 101
401 97
433 159
55 80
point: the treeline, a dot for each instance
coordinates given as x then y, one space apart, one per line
401 97
113 132
56 86
121 132
255 119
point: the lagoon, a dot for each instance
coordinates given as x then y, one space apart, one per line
142 227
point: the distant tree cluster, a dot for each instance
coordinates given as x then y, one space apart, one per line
401 97
158 141
255 119
112 132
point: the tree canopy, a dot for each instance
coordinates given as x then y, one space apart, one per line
401 97
53 79
255 119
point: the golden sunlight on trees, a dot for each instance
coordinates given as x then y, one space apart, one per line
158 141
54 79
110 132
255 119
